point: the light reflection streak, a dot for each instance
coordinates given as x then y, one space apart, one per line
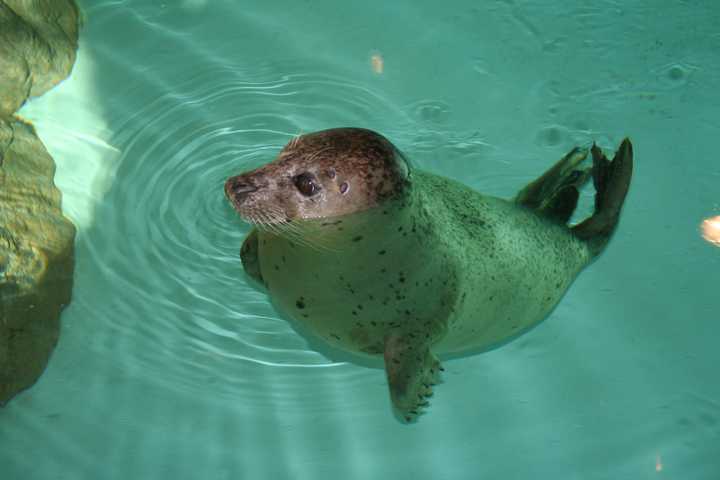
710 228
377 63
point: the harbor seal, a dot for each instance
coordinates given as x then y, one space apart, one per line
382 259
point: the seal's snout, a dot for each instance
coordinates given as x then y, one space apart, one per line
237 188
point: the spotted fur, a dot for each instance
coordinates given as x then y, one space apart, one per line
412 265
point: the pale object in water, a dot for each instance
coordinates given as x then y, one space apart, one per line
710 228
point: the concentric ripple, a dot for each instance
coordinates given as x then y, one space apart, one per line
171 296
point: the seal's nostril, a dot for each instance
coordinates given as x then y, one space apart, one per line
239 187
243 188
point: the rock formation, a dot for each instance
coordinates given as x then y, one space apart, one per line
38 41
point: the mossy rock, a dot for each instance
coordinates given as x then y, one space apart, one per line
36 257
38 43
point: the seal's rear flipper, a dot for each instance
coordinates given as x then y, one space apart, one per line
611 180
562 204
411 370
555 194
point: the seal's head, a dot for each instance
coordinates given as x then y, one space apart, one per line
321 175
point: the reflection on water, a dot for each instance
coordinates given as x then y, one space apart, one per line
181 257
377 63
711 230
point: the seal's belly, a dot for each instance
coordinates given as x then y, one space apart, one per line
458 284
353 303
497 315
516 282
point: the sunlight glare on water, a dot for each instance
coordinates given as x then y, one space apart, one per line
711 230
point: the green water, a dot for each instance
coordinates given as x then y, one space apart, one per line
171 366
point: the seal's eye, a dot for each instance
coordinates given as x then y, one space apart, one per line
305 182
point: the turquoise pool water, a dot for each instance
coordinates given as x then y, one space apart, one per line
171 366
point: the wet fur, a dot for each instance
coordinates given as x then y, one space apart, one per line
416 264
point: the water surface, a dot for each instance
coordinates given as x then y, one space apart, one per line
171 366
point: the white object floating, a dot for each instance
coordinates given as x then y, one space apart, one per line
377 63
710 228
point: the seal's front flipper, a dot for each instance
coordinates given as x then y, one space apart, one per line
411 370
249 257
612 181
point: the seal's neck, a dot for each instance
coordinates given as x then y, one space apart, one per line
391 254
388 223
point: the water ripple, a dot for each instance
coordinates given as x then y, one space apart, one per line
167 239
